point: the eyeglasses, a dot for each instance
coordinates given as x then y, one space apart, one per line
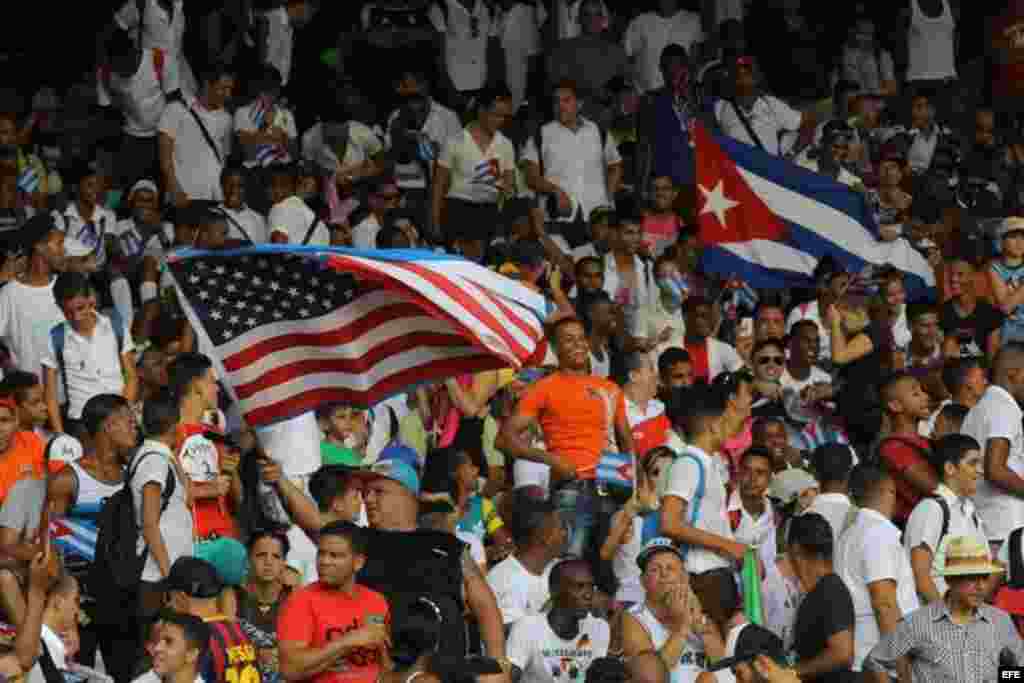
773 360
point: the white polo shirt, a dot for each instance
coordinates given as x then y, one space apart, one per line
196 166
92 364
769 117
575 161
871 551
292 218
711 513
140 97
466 34
997 416
474 173
649 34
924 527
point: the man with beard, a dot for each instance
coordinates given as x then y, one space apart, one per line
545 647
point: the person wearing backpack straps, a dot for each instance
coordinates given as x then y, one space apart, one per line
574 163
88 354
161 500
902 450
77 495
195 139
693 506
947 514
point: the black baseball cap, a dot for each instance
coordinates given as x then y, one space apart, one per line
753 641
194 577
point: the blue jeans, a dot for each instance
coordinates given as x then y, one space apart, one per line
585 512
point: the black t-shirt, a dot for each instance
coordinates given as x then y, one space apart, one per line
827 610
973 330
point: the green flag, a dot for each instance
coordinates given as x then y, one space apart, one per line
752 588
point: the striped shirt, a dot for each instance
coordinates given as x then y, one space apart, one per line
942 651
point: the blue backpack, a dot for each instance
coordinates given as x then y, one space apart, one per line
58 335
651 528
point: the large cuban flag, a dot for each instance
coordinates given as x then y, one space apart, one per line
768 221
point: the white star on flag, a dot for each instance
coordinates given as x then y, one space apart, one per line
716 202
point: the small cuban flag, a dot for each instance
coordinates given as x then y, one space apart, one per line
486 172
818 433
616 469
28 180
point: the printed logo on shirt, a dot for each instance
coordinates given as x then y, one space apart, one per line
486 172
359 657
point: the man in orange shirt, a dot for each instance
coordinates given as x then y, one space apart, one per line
575 411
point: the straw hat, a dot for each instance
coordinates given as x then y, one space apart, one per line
965 556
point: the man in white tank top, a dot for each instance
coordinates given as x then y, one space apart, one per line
931 50
670 619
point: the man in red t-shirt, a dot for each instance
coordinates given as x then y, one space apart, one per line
903 450
335 630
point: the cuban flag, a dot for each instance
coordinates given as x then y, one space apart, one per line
818 433
767 221
615 469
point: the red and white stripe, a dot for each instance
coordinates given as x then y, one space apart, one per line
413 321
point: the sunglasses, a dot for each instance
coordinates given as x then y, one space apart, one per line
771 360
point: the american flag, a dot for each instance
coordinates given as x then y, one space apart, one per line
296 327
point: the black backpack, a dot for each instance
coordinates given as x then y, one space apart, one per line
117 567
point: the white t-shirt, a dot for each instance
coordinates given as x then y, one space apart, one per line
649 34
254 224
769 118
519 32
58 652
292 217
176 519
868 552
92 365
760 531
466 33
543 657
364 235
834 507
280 42
162 30
196 167
576 162
924 527
140 97
997 416
82 238
27 314
199 459
475 173
518 592
627 572
363 144
817 376
711 515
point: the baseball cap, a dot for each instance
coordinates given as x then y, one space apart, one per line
788 484
142 186
654 546
194 577
395 470
753 640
